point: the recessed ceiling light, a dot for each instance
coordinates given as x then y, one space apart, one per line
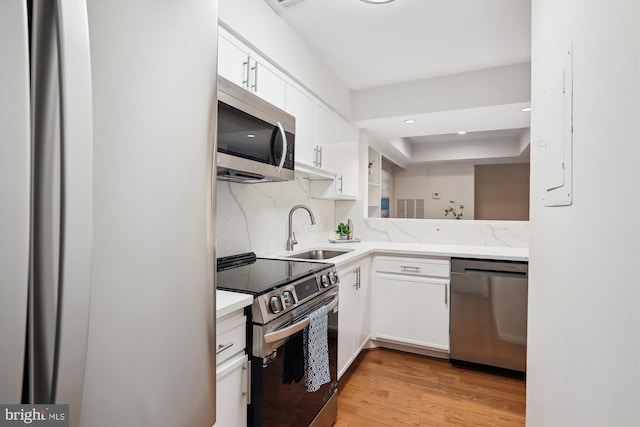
251 135
409 121
462 132
376 1
525 109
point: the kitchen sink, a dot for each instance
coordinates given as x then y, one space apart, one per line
320 254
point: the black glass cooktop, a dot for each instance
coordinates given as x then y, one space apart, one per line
247 274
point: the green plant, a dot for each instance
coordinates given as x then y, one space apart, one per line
456 212
343 229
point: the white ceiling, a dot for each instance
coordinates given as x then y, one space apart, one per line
371 45
409 40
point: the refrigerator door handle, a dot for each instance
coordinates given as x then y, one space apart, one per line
15 184
76 205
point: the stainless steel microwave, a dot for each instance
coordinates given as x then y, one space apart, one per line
256 140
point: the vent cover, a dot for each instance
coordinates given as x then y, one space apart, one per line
281 6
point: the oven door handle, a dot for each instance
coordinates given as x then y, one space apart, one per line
296 327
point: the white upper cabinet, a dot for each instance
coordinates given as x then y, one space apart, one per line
339 141
303 108
232 61
267 84
326 145
236 62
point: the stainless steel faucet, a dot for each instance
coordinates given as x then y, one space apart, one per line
292 236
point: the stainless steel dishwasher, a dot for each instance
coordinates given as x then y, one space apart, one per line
488 317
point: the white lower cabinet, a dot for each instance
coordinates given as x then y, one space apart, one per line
232 371
354 316
232 379
411 302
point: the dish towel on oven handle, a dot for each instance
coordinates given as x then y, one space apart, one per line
316 350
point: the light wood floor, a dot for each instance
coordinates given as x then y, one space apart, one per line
391 388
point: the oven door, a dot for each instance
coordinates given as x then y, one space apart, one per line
274 402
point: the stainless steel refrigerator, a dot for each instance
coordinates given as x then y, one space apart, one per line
107 186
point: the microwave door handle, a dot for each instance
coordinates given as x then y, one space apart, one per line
284 146
296 327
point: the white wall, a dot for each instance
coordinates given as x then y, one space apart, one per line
452 181
495 86
584 285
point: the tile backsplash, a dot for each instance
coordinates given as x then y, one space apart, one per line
438 231
254 217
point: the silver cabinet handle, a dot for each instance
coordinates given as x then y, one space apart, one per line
410 268
341 179
446 289
246 71
254 86
247 367
318 154
223 347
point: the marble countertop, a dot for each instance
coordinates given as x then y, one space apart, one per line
228 302
359 250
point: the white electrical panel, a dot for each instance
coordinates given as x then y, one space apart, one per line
556 136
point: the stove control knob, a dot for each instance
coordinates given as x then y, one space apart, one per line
325 281
334 277
275 305
287 297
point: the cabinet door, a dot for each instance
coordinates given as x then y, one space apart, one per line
362 308
355 313
231 393
233 62
412 310
267 84
303 108
346 320
238 64
342 158
339 140
326 131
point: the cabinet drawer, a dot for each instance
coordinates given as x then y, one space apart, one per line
413 266
230 336
232 392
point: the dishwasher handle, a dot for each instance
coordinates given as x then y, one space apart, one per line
485 267
515 275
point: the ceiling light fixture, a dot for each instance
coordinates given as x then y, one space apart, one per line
409 121
377 1
462 132
525 109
